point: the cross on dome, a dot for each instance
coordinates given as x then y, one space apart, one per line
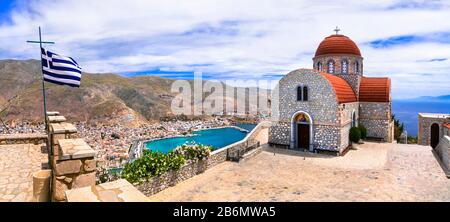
337 30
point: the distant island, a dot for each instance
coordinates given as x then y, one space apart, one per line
442 99
406 110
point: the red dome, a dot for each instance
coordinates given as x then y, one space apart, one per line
337 44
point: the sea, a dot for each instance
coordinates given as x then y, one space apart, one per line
407 111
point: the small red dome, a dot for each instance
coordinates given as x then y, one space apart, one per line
337 44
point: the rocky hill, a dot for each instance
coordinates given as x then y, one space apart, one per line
102 97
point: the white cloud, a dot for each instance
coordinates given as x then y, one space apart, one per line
241 39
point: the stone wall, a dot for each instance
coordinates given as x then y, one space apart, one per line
171 178
321 106
280 133
376 117
443 151
337 58
23 139
346 112
72 160
425 122
327 137
354 80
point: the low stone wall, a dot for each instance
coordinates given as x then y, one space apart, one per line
171 178
23 139
443 151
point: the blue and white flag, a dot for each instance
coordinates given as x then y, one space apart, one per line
61 70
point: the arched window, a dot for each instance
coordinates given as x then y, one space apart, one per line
356 67
319 66
344 66
354 122
299 93
302 93
331 66
305 93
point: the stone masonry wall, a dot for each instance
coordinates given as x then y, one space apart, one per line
327 138
376 117
72 161
354 80
424 133
337 58
345 116
23 139
322 106
443 151
280 133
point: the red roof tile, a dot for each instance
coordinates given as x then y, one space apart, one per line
343 90
447 125
337 44
375 90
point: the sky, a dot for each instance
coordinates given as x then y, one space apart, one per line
408 41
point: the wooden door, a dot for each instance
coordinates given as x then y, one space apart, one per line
303 136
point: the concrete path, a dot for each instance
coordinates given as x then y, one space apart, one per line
17 164
373 172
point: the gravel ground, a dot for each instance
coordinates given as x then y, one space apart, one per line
372 172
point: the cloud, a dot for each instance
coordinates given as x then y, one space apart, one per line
233 39
440 37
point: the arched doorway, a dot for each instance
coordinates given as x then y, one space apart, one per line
434 141
302 131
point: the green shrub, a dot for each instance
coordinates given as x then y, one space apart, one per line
363 131
150 165
153 164
355 134
194 152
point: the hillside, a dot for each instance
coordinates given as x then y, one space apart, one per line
108 98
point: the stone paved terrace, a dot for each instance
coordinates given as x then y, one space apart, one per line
374 172
17 164
116 191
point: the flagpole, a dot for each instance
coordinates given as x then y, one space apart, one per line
43 82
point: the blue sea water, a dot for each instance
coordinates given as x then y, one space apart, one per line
408 111
246 126
217 138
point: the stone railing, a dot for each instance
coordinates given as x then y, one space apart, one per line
72 159
443 151
35 138
73 169
258 135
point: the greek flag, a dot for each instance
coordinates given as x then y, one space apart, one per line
60 70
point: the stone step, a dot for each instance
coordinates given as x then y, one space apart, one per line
251 154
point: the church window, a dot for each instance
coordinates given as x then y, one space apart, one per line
305 93
319 66
344 66
299 93
356 67
302 93
331 66
354 121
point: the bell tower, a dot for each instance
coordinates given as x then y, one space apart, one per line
337 54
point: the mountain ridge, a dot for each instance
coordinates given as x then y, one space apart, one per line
106 98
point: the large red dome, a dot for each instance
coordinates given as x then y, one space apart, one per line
337 44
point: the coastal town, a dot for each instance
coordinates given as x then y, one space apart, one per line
224 101
112 142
